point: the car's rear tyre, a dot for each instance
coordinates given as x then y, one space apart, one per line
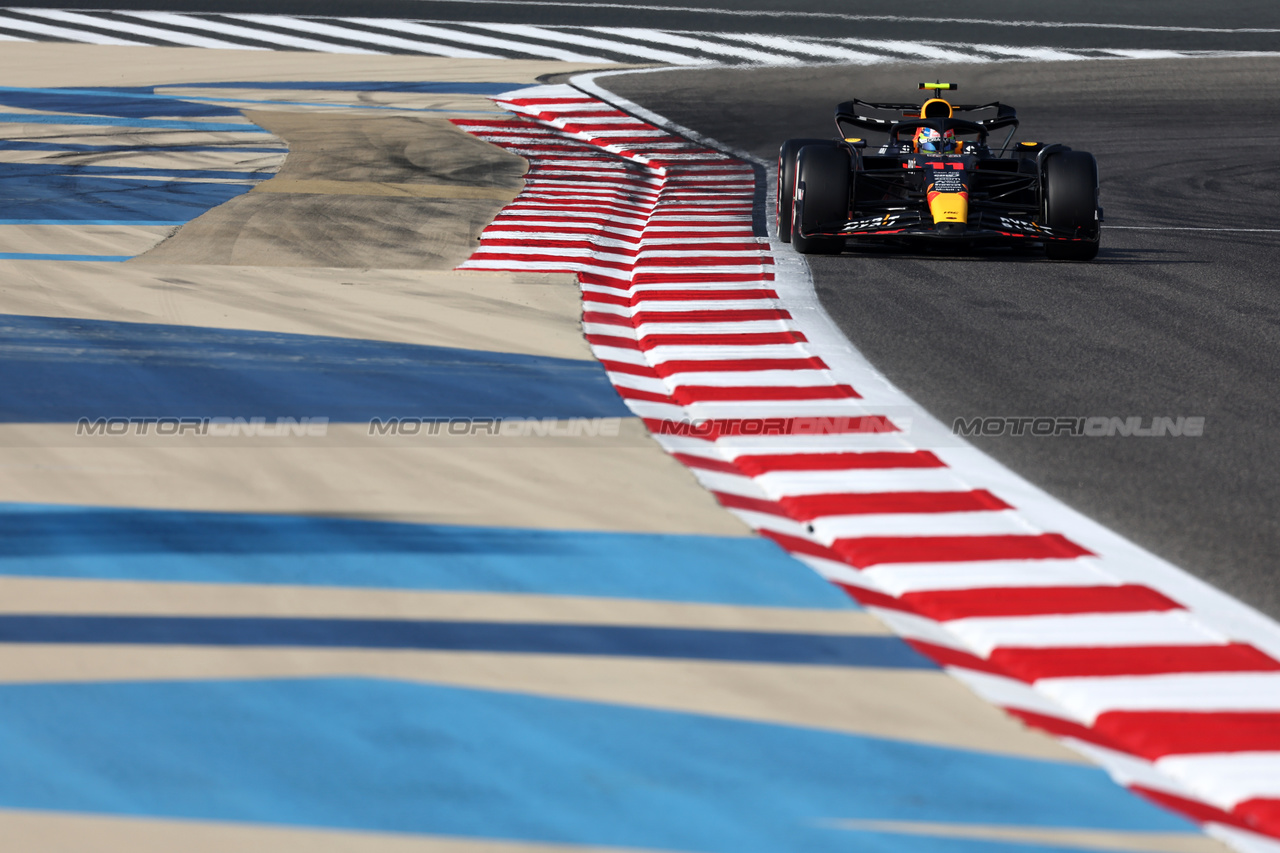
787 181
821 197
1071 204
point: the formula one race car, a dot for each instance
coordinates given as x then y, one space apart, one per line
936 179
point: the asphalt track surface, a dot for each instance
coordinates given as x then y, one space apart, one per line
1165 323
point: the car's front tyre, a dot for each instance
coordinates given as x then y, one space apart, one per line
787 180
1070 183
820 197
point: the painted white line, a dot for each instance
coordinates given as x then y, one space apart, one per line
1089 630
433 30
699 44
1228 778
918 50
820 49
618 47
902 578
987 523
308 25
185 39
62 32
1195 691
178 20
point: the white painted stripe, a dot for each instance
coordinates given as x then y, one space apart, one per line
718 481
779 409
477 40
529 219
625 356
61 32
490 252
658 306
1007 692
1196 691
177 20
820 49
768 521
186 39
684 41
836 572
993 522
1088 630
1128 769
754 378
727 328
1043 54
918 50
783 483
913 627
1226 779
901 578
629 381
659 355
533 237
617 47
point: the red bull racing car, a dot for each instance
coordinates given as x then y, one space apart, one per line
935 178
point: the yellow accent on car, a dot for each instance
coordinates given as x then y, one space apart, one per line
935 108
949 207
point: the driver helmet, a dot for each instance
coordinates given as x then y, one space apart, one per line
929 141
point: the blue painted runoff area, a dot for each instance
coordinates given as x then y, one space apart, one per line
70 195
121 103
28 145
400 757
58 541
164 222
111 121
772 647
62 370
20 171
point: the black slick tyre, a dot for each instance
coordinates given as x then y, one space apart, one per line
787 181
820 197
1071 204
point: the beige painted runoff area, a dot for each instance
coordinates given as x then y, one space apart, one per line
53 832
355 237
918 706
42 832
620 483
141 598
526 313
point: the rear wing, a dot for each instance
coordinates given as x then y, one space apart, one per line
849 113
